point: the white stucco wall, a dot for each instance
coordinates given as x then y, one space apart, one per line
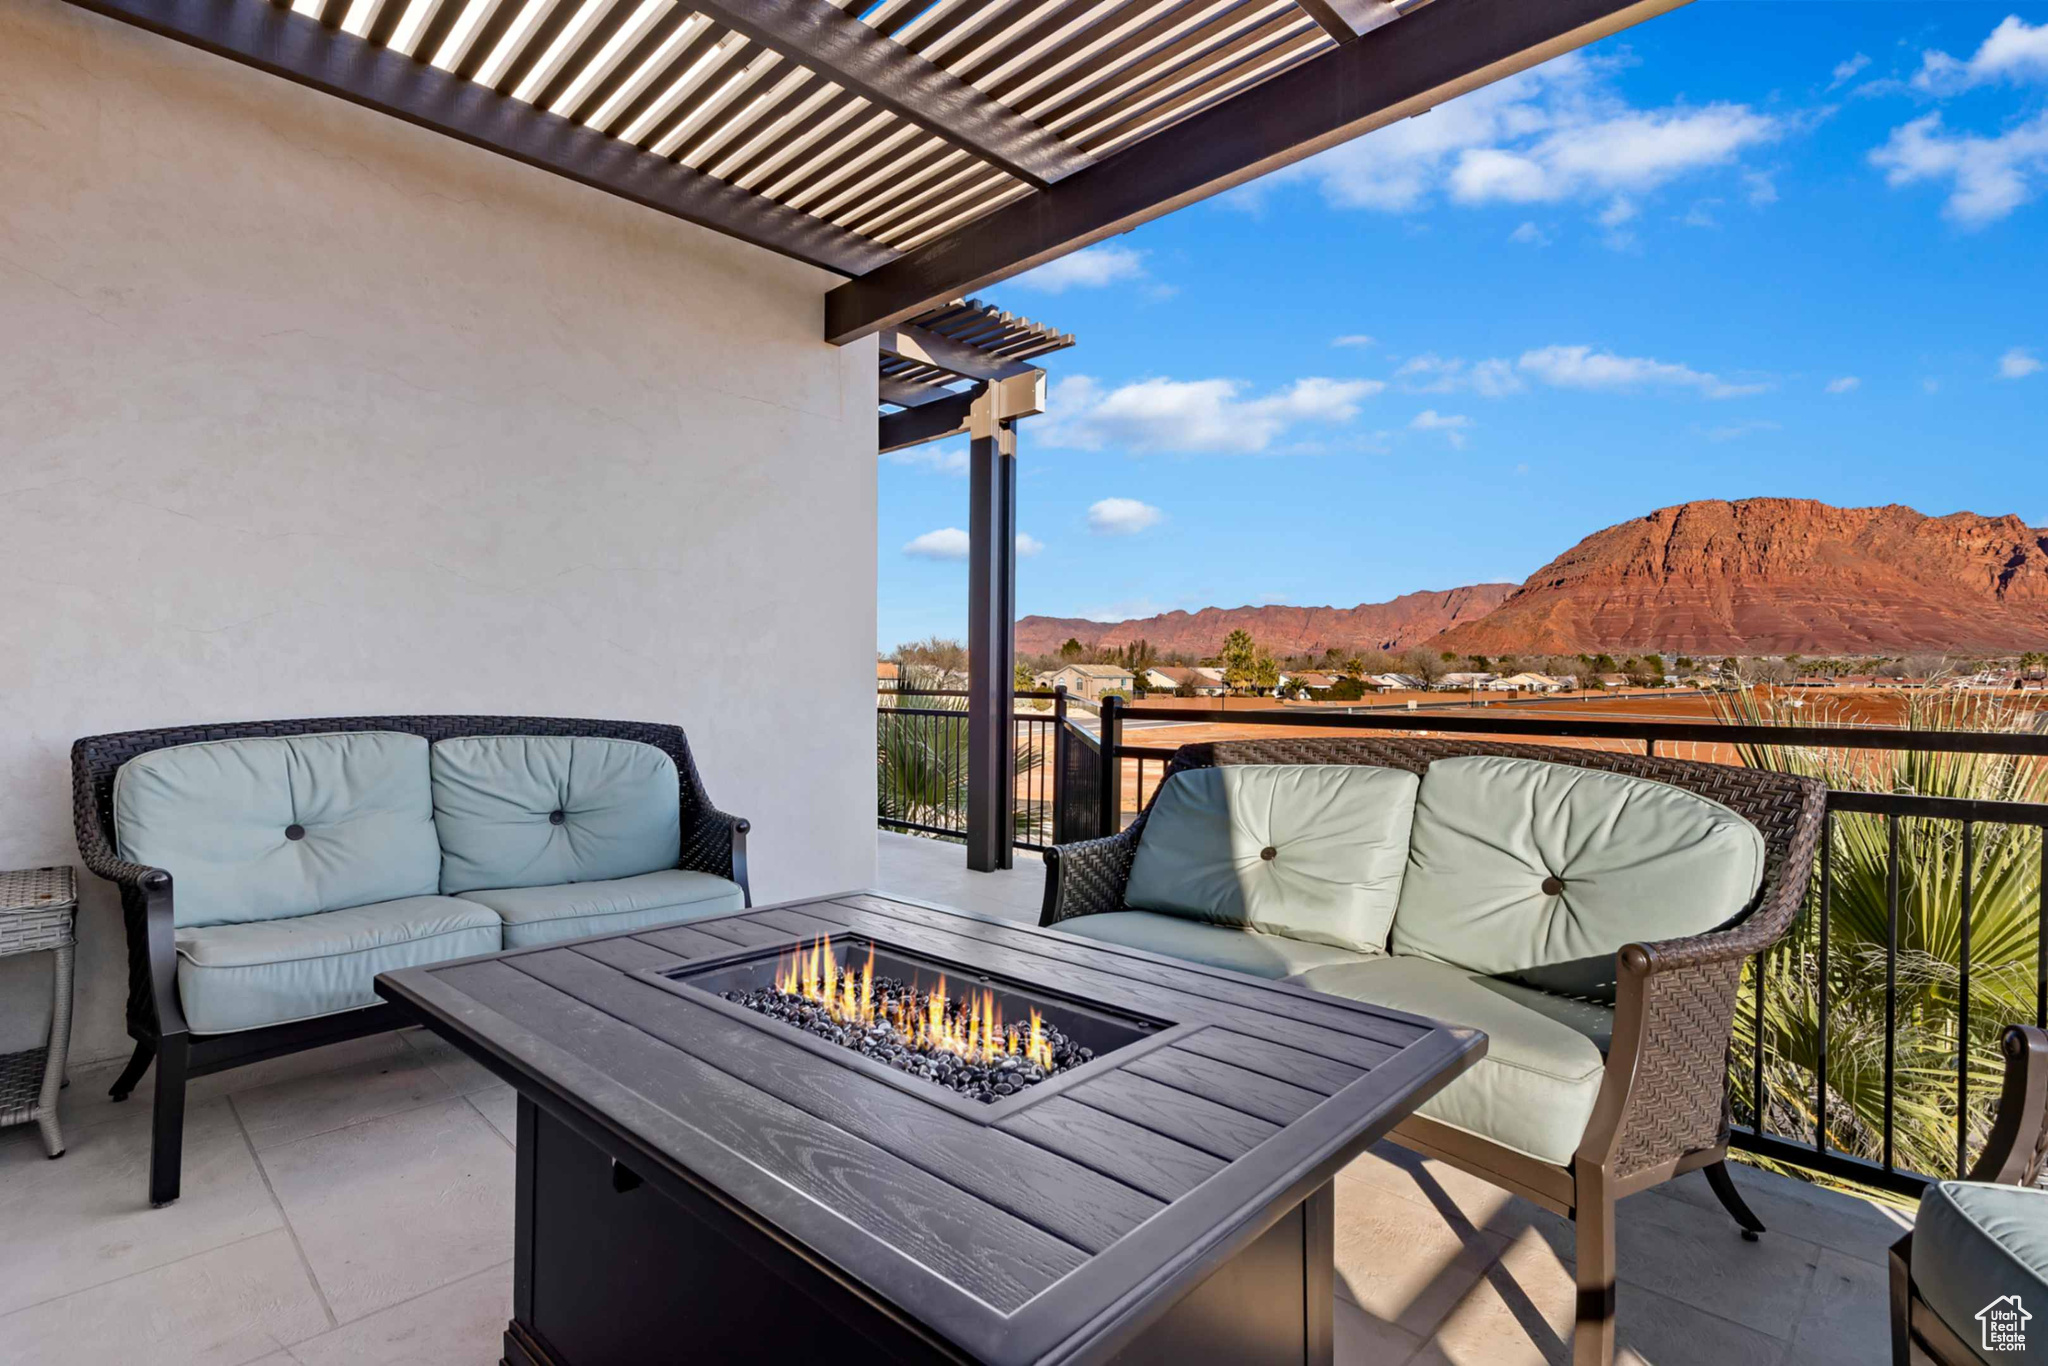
304 411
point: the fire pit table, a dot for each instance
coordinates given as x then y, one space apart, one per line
864 1129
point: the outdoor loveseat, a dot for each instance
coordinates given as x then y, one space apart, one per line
1589 911
1978 1252
270 870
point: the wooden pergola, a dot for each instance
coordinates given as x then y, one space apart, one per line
921 149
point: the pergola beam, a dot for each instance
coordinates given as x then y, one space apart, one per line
1434 54
833 43
929 348
1349 20
930 422
910 393
300 49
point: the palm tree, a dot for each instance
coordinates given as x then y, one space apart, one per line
2005 877
921 772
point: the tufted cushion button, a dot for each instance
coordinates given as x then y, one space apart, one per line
1269 853
557 816
295 831
1553 885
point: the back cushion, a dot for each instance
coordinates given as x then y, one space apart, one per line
1544 871
537 810
219 817
1310 851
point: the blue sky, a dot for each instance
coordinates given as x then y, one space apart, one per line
1753 248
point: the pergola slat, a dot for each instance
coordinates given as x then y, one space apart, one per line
1349 20
297 48
819 36
1432 55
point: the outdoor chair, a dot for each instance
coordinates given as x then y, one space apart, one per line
269 870
1590 911
1978 1253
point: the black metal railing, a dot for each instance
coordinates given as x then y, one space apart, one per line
922 770
1775 1121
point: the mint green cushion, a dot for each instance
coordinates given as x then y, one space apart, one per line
1974 1243
215 815
541 915
1639 860
494 794
1338 834
1534 1090
266 972
1218 946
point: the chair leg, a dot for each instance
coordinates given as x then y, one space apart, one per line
1732 1201
1902 1301
145 1052
167 1137
1593 1331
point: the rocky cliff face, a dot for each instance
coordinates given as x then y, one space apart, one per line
1407 620
1778 576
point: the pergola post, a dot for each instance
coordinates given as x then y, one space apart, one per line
991 645
992 616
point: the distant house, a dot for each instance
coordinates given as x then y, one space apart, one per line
1398 683
1611 680
1527 682
1464 681
1171 678
1308 680
887 676
1092 680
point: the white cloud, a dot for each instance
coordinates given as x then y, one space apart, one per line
2017 363
2015 51
942 457
1454 426
1214 415
1553 133
1430 373
1581 367
1090 268
1351 339
1847 384
1761 190
1737 431
1123 517
1028 545
947 543
1846 70
1988 177
1528 234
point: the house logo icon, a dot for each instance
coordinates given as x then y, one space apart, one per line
2004 1322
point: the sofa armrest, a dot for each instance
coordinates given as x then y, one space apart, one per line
2019 1133
715 841
1087 877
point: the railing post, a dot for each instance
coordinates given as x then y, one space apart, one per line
1059 763
1112 765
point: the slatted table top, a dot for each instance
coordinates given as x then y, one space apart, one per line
1018 1236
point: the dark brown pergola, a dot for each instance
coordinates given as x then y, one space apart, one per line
922 148
965 367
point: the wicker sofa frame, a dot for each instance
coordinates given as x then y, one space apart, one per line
712 842
2014 1155
1663 1104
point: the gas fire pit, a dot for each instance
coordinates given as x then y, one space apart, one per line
874 1130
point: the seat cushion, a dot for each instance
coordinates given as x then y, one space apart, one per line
1975 1245
1310 851
274 828
541 915
1218 946
536 810
1545 871
1534 1090
266 972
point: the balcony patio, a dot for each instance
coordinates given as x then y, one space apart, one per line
353 1203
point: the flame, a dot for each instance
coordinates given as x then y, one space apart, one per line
971 1026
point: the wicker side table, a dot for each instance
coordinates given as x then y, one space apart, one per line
38 911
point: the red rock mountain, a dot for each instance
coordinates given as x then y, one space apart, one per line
1407 620
1781 576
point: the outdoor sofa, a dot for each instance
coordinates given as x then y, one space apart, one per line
1978 1252
1590 911
269 870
